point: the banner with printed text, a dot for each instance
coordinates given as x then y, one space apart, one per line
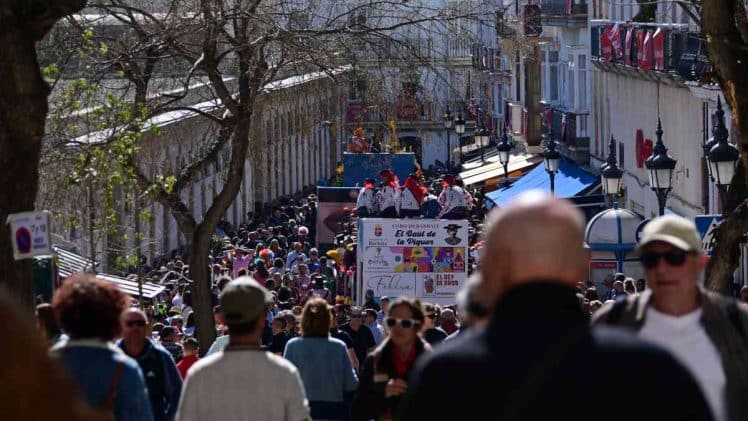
421 258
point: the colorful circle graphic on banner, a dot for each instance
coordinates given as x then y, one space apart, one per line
23 240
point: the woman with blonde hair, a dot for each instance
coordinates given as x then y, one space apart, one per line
323 362
386 370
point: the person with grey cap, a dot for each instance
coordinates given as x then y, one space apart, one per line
706 332
254 383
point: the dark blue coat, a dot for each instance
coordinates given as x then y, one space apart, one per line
162 379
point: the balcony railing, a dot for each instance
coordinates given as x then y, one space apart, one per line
403 49
459 48
486 59
569 130
425 111
664 48
563 7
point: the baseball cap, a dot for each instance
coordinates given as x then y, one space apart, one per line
674 230
243 300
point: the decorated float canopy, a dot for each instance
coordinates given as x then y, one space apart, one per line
611 238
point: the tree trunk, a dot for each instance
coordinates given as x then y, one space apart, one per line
23 110
200 244
199 272
729 235
726 31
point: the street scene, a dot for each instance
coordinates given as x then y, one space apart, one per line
373 210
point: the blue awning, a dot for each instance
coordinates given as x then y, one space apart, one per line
571 180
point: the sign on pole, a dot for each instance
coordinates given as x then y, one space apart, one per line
30 234
417 258
706 225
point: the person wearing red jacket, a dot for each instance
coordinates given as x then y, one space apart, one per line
191 348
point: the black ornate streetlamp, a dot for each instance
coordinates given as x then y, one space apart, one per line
459 125
722 156
552 160
504 148
448 127
610 174
481 138
660 166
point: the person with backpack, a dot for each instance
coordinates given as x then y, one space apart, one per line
110 381
705 331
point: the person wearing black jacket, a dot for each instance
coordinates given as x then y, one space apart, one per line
385 373
538 358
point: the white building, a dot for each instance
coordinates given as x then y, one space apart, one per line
455 64
651 70
298 120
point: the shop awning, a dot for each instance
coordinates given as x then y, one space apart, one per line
495 169
69 263
571 180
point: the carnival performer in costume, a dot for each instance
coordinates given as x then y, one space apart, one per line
366 199
412 194
388 195
452 199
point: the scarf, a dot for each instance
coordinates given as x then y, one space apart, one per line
419 192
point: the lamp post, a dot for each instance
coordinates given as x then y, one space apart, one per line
459 130
660 166
552 160
481 138
448 126
722 156
504 148
610 174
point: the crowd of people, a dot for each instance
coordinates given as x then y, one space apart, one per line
413 199
526 338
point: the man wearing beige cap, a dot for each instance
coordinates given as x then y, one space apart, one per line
706 332
243 381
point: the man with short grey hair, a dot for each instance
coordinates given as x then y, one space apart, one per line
706 332
244 381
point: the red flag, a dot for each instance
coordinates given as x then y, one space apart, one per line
648 55
605 44
639 47
615 40
627 47
659 49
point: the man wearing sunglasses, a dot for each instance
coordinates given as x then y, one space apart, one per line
706 332
161 375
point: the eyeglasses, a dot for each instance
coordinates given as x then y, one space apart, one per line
133 323
404 323
431 316
673 258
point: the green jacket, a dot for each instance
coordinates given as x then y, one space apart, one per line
726 324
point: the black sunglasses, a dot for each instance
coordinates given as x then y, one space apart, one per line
133 323
673 258
431 316
404 323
